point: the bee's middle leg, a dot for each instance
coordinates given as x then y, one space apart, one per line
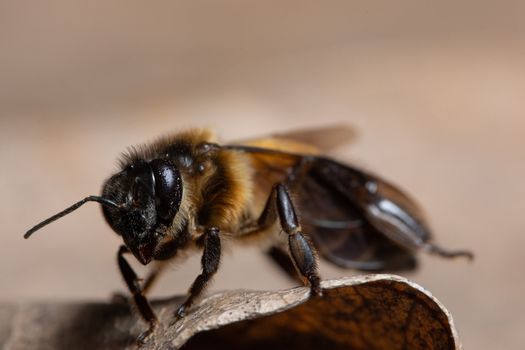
210 264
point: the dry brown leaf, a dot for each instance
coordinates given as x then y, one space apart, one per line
362 312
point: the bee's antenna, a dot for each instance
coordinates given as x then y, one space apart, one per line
101 200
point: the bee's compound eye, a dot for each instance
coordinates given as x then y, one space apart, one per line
168 188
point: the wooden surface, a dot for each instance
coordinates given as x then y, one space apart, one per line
436 92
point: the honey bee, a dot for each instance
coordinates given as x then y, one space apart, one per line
188 191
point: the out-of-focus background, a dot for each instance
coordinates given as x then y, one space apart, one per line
436 91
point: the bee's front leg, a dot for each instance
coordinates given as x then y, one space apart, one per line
140 300
120 298
210 264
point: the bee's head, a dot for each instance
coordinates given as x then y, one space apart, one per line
139 203
148 195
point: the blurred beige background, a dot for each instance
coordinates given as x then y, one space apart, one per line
435 89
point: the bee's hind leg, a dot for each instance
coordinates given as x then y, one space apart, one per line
302 251
303 256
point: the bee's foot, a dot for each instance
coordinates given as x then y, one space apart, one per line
145 336
181 312
315 286
316 291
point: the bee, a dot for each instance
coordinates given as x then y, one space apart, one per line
188 191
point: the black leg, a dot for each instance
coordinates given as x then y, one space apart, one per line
140 300
302 251
210 263
149 281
